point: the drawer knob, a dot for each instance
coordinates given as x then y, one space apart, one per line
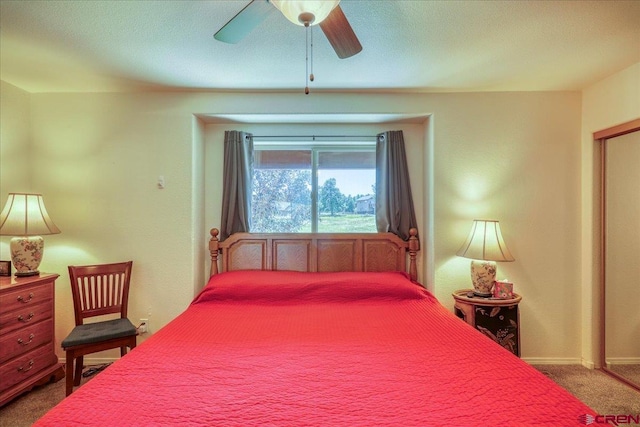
22 369
21 342
29 317
21 298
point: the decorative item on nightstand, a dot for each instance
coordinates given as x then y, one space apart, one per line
25 217
503 289
484 246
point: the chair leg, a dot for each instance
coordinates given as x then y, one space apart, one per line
69 374
78 374
123 351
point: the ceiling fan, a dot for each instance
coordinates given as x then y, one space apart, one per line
325 13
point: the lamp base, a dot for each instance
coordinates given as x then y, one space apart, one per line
26 254
483 277
27 273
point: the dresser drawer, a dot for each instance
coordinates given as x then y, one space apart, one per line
26 296
25 339
24 316
22 368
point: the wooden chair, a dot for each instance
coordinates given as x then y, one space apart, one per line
98 290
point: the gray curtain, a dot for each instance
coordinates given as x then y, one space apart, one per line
237 182
394 204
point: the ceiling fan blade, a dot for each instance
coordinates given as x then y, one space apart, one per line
340 34
244 21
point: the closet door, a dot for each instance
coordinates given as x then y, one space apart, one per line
622 255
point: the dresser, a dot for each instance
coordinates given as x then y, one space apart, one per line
27 338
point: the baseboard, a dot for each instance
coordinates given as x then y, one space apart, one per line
613 361
552 361
588 364
89 361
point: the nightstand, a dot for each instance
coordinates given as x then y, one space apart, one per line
499 319
27 339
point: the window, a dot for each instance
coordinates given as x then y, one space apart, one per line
313 188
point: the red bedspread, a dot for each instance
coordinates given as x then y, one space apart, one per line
325 349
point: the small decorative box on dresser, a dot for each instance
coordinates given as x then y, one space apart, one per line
27 338
498 319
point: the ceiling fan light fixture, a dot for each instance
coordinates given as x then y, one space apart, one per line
305 12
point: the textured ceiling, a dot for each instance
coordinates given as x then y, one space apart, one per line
53 46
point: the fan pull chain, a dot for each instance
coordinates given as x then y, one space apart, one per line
306 45
311 75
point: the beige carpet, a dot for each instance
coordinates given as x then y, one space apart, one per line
28 408
631 372
601 392
598 390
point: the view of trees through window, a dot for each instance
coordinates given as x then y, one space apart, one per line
284 197
281 201
352 212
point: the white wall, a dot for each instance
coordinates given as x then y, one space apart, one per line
200 258
509 156
608 103
97 160
15 172
14 141
512 157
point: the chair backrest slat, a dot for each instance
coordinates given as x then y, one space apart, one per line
100 289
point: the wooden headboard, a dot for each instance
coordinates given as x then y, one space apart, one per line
315 252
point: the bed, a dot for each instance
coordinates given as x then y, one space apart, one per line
317 329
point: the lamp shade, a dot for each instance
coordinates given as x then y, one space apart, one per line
305 11
24 214
485 242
